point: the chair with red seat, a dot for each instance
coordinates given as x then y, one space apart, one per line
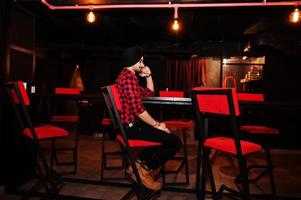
184 125
258 131
63 118
113 105
209 103
20 101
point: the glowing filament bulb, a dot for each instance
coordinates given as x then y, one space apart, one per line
176 25
295 16
91 17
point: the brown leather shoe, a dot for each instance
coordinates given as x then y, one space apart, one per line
155 173
145 176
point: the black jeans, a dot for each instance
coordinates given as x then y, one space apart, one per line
155 156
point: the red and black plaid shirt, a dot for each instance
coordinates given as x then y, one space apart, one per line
131 94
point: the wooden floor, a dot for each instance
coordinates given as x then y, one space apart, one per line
87 184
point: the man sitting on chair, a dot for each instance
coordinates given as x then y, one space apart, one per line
139 124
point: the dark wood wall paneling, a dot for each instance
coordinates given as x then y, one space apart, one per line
20 63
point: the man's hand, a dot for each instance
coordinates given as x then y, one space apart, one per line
163 127
145 71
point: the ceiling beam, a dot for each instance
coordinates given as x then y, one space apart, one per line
170 5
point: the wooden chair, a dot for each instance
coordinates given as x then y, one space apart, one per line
209 103
113 104
20 102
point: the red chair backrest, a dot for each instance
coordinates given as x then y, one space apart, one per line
116 96
113 104
59 90
20 101
250 97
23 93
216 100
171 93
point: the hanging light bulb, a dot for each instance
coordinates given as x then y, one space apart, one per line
295 16
176 23
91 17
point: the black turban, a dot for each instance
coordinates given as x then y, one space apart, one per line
132 55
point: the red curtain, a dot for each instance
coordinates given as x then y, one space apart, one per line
186 74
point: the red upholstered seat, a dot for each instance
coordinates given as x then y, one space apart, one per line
106 122
138 143
171 93
46 132
64 118
67 90
250 97
179 123
259 129
228 145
